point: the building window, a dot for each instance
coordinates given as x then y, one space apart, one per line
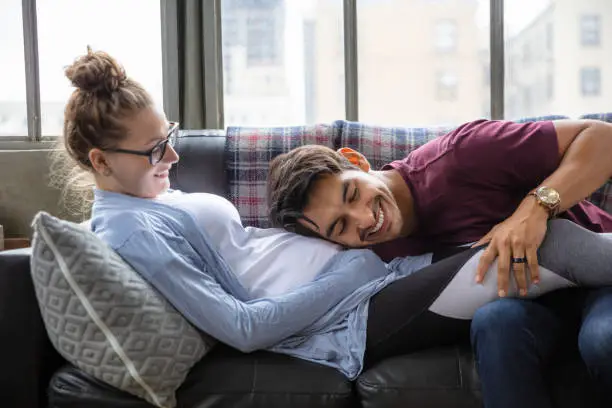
590 81
262 41
527 99
446 86
230 33
590 30
228 76
549 37
527 54
446 36
550 86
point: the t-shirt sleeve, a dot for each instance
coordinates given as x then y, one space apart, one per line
505 154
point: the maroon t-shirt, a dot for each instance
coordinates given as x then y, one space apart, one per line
469 180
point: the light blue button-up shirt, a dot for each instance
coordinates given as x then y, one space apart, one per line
323 321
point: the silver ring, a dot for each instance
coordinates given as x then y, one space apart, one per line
519 260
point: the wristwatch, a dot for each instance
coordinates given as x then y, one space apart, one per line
548 198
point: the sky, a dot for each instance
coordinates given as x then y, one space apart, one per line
130 31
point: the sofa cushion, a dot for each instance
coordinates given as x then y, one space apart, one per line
444 377
225 378
103 317
447 377
248 152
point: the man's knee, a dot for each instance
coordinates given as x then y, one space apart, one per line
497 318
595 341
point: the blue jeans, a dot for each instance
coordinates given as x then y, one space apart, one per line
514 339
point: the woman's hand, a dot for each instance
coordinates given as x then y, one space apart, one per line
515 242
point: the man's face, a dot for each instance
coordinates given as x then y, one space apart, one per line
354 209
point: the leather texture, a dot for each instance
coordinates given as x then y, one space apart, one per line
436 378
201 164
224 378
28 359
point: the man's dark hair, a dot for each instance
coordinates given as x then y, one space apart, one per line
291 177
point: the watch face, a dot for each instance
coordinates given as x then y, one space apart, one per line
548 195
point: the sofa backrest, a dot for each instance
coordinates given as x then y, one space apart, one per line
235 164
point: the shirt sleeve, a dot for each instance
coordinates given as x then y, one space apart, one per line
506 154
170 266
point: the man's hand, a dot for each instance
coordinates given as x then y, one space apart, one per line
517 237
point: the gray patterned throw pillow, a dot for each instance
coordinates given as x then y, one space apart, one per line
104 318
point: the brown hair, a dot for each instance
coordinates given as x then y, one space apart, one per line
291 177
93 118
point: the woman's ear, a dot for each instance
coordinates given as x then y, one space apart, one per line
98 162
355 158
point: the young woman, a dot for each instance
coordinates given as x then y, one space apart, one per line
270 289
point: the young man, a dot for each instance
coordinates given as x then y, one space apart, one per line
489 182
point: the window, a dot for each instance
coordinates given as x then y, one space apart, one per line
526 53
263 40
550 86
411 62
590 81
88 24
527 99
228 76
13 121
446 83
230 33
590 30
549 37
283 69
446 36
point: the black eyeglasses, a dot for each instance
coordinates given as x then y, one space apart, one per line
156 153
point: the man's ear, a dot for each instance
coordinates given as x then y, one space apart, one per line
356 158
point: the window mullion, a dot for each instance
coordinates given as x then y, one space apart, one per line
497 59
170 58
30 39
213 64
351 83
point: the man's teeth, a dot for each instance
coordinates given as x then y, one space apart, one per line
379 224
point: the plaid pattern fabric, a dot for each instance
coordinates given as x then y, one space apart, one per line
605 116
603 197
248 151
539 118
382 144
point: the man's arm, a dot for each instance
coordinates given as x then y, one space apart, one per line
585 152
585 149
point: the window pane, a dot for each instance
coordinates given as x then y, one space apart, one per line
570 64
128 30
590 81
13 119
589 30
421 62
283 61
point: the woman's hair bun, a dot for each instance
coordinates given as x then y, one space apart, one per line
96 72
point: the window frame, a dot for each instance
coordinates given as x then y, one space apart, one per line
590 30
590 75
213 67
445 29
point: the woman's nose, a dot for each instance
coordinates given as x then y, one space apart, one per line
171 156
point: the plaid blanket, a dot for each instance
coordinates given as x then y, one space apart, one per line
249 150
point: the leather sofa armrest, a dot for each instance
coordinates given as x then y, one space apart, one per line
27 357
